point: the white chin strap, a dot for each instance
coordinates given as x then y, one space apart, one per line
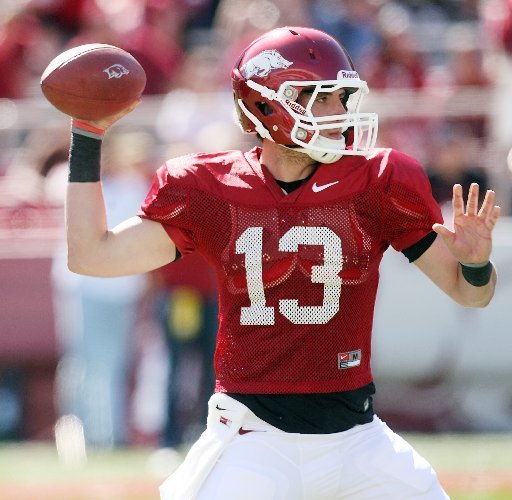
324 156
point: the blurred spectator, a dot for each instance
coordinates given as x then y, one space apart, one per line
20 33
238 22
398 67
98 27
352 22
462 9
195 116
465 65
200 18
157 43
65 15
187 308
465 58
453 162
453 10
151 31
29 177
506 32
96 317
464 76
397 63
11 414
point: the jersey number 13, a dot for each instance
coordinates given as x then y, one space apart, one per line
250 243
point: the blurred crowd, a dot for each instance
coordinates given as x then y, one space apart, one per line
454 54
395 43
438 74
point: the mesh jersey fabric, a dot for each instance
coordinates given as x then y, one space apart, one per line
297 274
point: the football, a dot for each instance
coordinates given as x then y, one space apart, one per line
93 81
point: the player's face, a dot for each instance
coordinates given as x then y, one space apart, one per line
326 104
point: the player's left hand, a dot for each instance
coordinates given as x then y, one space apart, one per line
470 241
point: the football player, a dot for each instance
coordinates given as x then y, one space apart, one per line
295 231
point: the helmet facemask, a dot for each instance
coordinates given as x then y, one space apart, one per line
306 129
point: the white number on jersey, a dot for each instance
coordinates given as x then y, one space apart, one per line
250 243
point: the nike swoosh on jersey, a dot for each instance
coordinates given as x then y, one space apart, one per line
316 188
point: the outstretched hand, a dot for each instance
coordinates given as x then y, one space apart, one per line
470 241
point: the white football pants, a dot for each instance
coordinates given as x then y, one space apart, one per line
366 462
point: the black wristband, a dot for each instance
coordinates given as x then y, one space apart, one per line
477 276
84 158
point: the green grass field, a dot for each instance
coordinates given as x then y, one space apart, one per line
471 467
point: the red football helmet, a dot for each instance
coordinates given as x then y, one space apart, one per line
269 76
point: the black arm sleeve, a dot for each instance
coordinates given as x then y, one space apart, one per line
420 247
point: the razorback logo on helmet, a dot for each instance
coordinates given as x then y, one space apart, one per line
262 64
116 71
349 74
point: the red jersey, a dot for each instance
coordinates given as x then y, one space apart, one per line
297 274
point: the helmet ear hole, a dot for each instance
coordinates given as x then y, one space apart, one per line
265 108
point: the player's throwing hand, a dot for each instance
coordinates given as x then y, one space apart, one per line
108 121
470 240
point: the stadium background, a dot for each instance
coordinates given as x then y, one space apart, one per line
444 81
